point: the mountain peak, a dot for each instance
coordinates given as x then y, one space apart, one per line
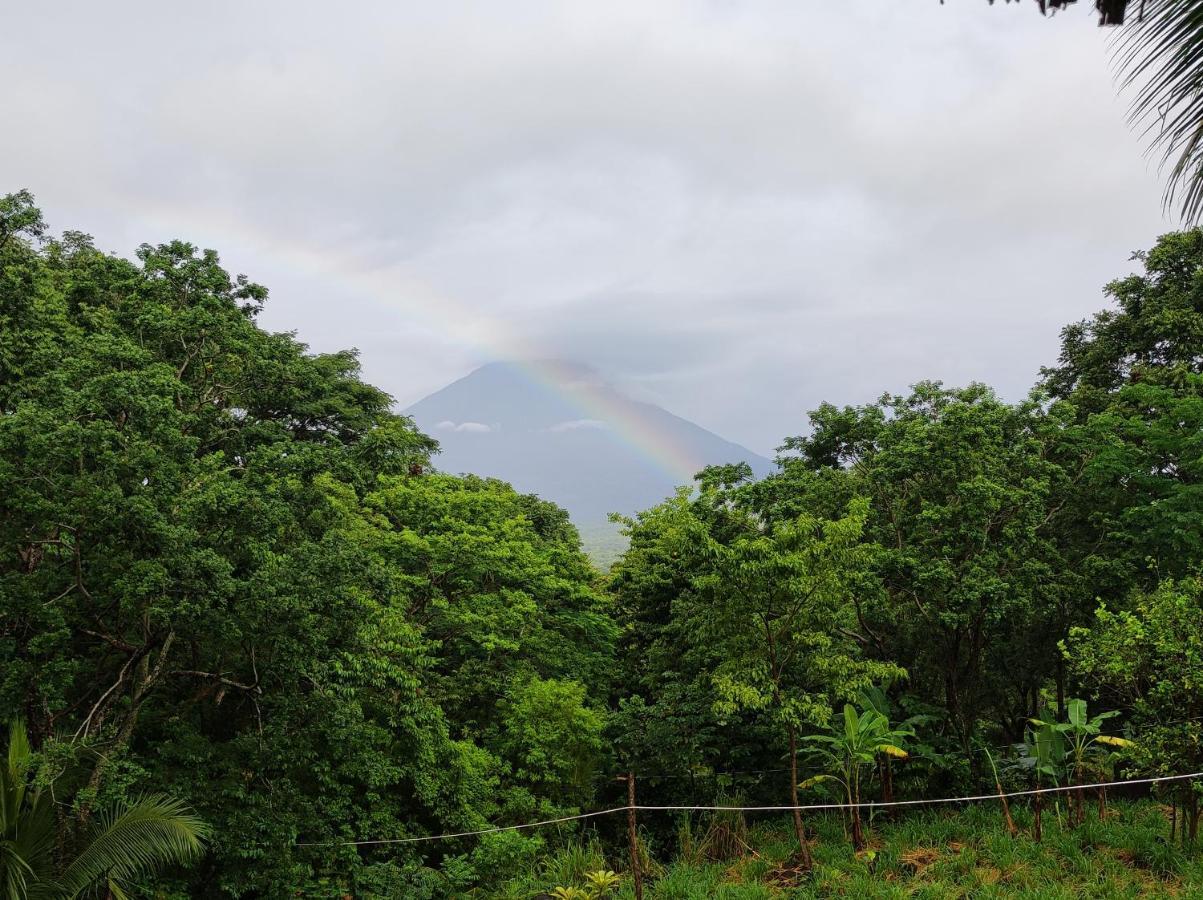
556 428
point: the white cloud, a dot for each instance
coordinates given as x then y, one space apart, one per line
469 427
575 424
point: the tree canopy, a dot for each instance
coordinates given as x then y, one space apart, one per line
241 609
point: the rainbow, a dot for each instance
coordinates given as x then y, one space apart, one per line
489 338
596 401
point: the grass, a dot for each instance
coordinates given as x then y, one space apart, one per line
932 854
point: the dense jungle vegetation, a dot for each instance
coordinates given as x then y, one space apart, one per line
244 621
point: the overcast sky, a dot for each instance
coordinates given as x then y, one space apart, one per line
736 209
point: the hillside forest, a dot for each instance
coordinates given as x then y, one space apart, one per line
245 621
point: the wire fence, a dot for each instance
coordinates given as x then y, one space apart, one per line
810 807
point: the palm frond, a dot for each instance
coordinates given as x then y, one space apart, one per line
134 839
14 774
1160 56
15 872
26 820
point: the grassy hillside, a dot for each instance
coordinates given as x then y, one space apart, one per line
934 854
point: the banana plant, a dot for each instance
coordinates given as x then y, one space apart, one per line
1044 751
1076 747
851 747
874 697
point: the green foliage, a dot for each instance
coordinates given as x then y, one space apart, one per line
957 559
852 745
127 842
552 738
1044 747
598 885
1148 658
1129 385
964 852
229 576
1155 58
226 567
26 820
1081 740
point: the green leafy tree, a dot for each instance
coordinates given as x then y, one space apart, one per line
1146 655
1133 378
227 564
958 561
665 718
774 604
553 740
1128 392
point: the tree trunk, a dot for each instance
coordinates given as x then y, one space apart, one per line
952 702
633 838
146 680
799 828
1060 687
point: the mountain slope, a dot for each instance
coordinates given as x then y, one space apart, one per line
559 431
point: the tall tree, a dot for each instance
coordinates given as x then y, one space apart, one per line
771 604
1130 385
1144 655
958 486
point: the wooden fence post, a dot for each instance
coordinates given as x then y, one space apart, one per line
633 837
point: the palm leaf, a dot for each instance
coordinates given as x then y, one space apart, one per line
134 839
1113 741
15 872
26 820
891 750
1161 58
32 840
13 775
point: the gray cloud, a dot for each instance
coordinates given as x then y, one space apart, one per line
738 210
